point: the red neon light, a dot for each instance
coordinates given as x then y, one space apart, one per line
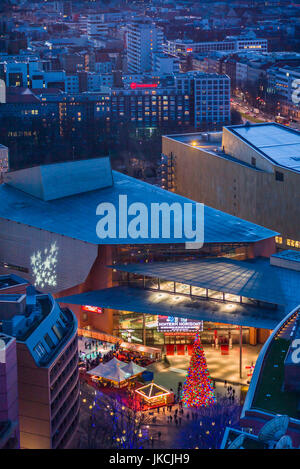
134 86
189 49
92 309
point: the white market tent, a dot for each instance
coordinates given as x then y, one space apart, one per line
133 368
116 370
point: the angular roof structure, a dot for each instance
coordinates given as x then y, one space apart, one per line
57 180
52 206
111 370
152 390
116 370
133 368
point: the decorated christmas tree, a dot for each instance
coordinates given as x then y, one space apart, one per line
198 389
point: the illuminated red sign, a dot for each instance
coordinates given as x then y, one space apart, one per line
189 49
92 309
134 86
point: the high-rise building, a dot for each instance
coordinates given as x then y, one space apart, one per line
96 26
9 420
211 97
38 368
143 39
65 7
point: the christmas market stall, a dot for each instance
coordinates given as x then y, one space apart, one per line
115 372
152 395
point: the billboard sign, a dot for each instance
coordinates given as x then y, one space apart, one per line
175 324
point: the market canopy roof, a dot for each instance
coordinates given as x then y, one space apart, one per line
152 390
256 279
111 370
133 368
139 300
116 370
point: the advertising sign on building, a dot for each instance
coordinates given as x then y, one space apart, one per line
174 324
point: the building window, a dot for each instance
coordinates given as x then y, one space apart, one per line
58 331
40 350
292 243
253 161
49 341
279 176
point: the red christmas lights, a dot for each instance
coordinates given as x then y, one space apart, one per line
198 390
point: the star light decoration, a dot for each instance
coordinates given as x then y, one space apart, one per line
198 390
43 265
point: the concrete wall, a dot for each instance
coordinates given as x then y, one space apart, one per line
239 149
9 386
100 277
18 243
34 402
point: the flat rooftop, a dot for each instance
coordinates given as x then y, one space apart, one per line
210 142
277 143
288 255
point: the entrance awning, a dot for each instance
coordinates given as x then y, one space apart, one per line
167 304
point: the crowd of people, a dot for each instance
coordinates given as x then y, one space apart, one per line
90 361
90 357
136 357
230 393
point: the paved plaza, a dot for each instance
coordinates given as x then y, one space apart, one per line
221 367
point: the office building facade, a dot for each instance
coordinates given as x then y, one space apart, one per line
143 38
45 393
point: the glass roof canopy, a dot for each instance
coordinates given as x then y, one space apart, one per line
255 278
138 300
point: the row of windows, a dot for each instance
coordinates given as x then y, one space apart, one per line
292 243
289 242
58 331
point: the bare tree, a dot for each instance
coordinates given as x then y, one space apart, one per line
106 422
